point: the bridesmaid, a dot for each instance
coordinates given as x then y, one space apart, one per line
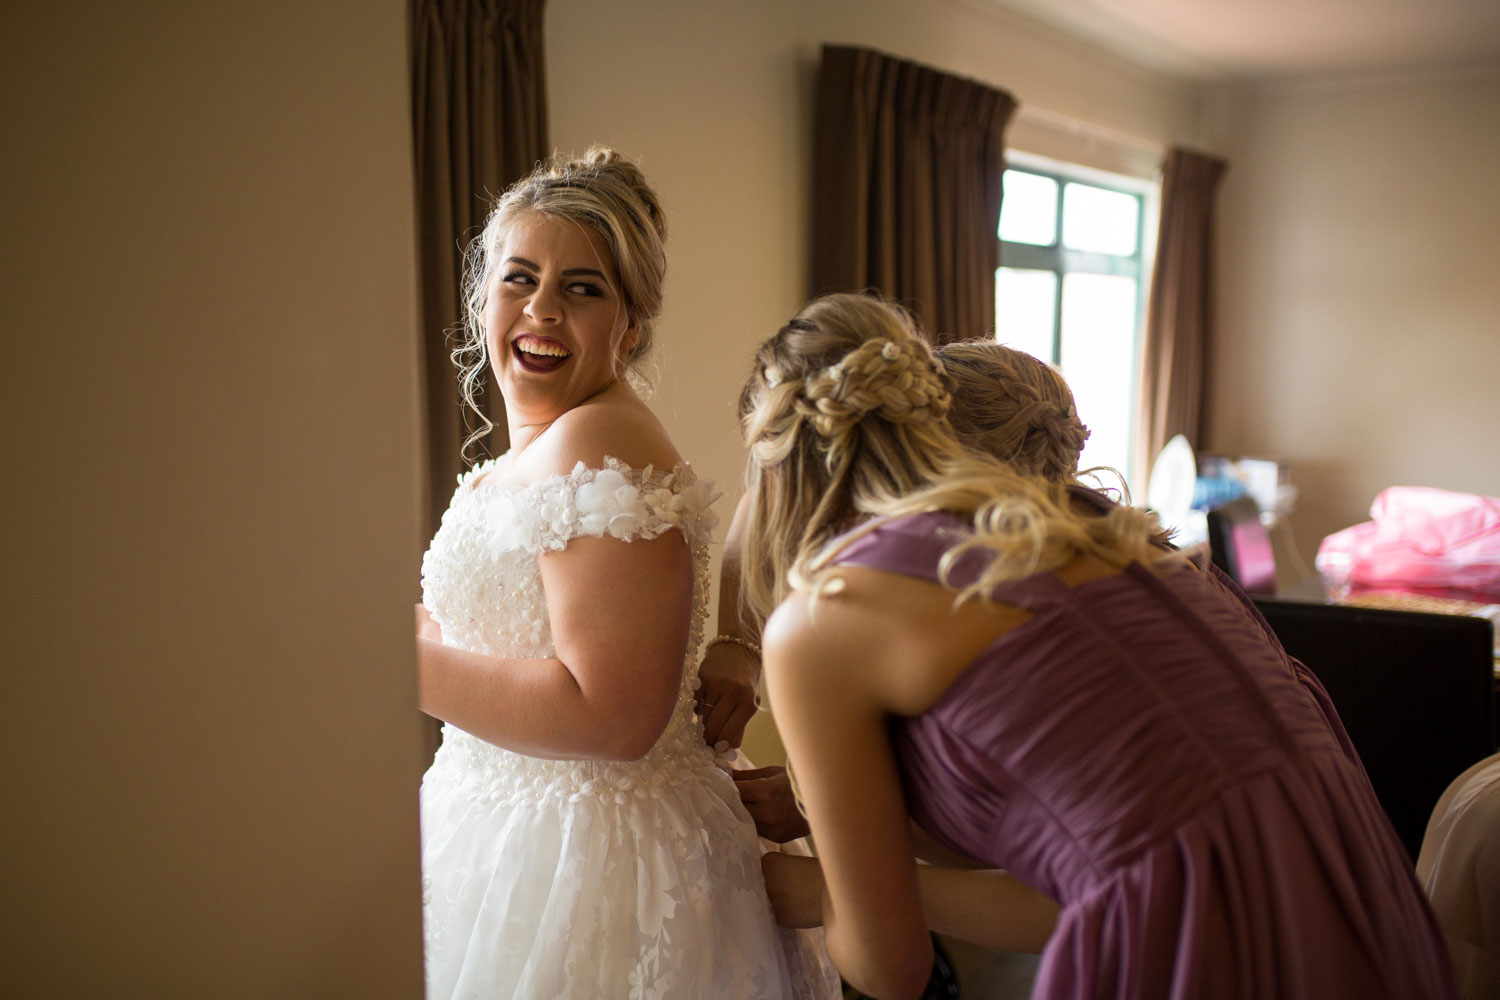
1052 693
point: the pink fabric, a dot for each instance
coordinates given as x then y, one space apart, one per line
1420 537
1145 753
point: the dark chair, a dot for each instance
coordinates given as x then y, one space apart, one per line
1240 546
1416 693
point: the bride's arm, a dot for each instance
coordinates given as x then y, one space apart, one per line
620 615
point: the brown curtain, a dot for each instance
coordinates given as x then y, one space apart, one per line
907 171
479 123
1179 318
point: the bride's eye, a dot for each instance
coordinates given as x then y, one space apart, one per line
517 278
586 288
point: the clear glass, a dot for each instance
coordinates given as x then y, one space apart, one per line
1028 212
1026 309
1336 569
1099 220
1098 360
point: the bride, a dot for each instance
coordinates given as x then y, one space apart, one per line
578 839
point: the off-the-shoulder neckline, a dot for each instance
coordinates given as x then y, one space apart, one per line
478 476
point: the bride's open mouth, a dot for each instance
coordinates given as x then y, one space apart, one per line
539 354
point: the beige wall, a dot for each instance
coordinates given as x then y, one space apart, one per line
210 748
1359 333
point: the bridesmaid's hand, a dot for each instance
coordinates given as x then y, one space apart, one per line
726 698
767 795
795 885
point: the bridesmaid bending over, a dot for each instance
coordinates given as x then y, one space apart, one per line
1049 692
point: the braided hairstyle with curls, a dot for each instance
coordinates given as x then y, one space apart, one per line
845 414
601 190
845 407
1011 405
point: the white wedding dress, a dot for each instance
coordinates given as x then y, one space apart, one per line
585 879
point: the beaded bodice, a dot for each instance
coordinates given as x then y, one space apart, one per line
481 582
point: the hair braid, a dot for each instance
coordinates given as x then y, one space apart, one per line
882 376
1013 406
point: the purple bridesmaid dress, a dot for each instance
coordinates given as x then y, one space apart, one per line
1145 754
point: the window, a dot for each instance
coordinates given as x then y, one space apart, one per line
1075 250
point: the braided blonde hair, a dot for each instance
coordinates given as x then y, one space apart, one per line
601 190
845 415
1009 404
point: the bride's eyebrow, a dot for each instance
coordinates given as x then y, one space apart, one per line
572 272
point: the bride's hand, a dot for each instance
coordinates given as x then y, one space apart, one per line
426 627
795 885
726 698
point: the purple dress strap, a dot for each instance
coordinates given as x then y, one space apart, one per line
914 545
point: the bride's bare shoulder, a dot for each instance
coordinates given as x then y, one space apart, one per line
620 427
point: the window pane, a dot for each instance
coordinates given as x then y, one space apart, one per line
1098 360
1028 211
1025 309
1099 220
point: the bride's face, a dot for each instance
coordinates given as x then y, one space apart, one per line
555 322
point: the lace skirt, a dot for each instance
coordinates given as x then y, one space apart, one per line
584 879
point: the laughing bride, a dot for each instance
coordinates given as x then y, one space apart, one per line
578 839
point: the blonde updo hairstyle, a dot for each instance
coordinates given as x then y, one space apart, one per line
603 191
845 415
1009 404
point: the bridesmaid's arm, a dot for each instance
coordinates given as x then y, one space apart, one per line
727 698
619 613
988 907
876 645
834 729
734 619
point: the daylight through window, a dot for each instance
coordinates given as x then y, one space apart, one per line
1075 251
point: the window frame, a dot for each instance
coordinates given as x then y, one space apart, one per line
1061 260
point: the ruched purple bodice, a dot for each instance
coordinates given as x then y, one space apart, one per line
1145 753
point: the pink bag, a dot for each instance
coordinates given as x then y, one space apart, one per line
1420 537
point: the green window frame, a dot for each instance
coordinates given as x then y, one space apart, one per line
1061 261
